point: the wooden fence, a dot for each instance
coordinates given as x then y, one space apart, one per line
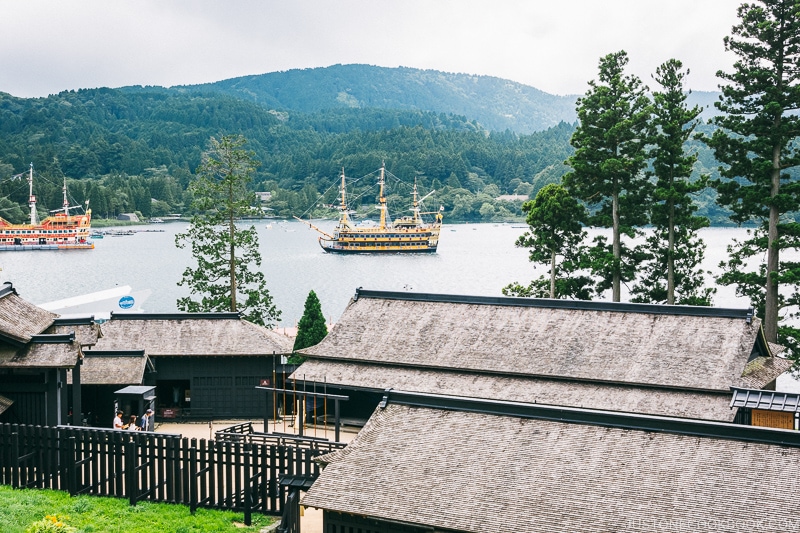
220 474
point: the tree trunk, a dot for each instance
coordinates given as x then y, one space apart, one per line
552 274
771 296
616 248
671 256
232 258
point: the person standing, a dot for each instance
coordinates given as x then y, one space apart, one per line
132 424
147 420
117 424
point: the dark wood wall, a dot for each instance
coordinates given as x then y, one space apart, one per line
219 386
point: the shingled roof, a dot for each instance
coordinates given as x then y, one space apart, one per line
60 354
689 348
190 334
709 405
113 368
86 330
466 469
20 320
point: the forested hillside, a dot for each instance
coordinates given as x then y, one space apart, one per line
495 103
136 151
136 148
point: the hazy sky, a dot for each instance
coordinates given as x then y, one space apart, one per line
554 45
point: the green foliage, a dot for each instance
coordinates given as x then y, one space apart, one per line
225 277
671 274
51 524
312 327
688 279
608 166
747 270
757 145
102 139
24 507
355 87
555 219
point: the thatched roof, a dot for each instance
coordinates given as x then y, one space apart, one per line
668 346
648 400
762 371
40 355
85 334
476 472
126 368
20 320
190 334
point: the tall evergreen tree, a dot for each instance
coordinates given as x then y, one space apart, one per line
225 278
312 327
757 144
555 232
671 272
607 166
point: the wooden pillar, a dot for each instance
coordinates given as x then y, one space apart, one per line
63 396
77 407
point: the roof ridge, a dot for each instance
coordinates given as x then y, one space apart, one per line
587 305
594 417
176 316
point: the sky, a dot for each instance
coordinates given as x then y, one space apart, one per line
47 46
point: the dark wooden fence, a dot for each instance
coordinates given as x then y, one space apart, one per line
240 475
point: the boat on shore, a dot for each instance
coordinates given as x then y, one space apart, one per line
59 231
406 234
100 304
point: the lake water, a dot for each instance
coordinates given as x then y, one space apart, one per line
472 259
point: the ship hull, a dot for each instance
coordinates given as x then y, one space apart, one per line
29 247
338 248
418 240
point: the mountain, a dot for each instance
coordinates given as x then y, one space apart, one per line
495 103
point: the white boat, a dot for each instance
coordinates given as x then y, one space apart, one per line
100 304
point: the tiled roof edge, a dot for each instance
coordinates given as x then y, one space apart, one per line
588 305
175 316
575 415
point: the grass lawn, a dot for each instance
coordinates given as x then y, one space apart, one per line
20 508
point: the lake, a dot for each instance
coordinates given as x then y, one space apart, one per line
473 259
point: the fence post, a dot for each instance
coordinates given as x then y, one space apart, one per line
248 479
131 477
192 479
72 467
15 460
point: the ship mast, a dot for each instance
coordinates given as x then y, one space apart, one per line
66 202
32 198
382 198
415 208
343 222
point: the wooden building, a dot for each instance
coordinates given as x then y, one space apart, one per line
39 352
765 408
202 364
431 463
654 359
535 415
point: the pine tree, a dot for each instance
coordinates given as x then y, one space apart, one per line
671 272
225 278
757 145
312 327
607 167
555 219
